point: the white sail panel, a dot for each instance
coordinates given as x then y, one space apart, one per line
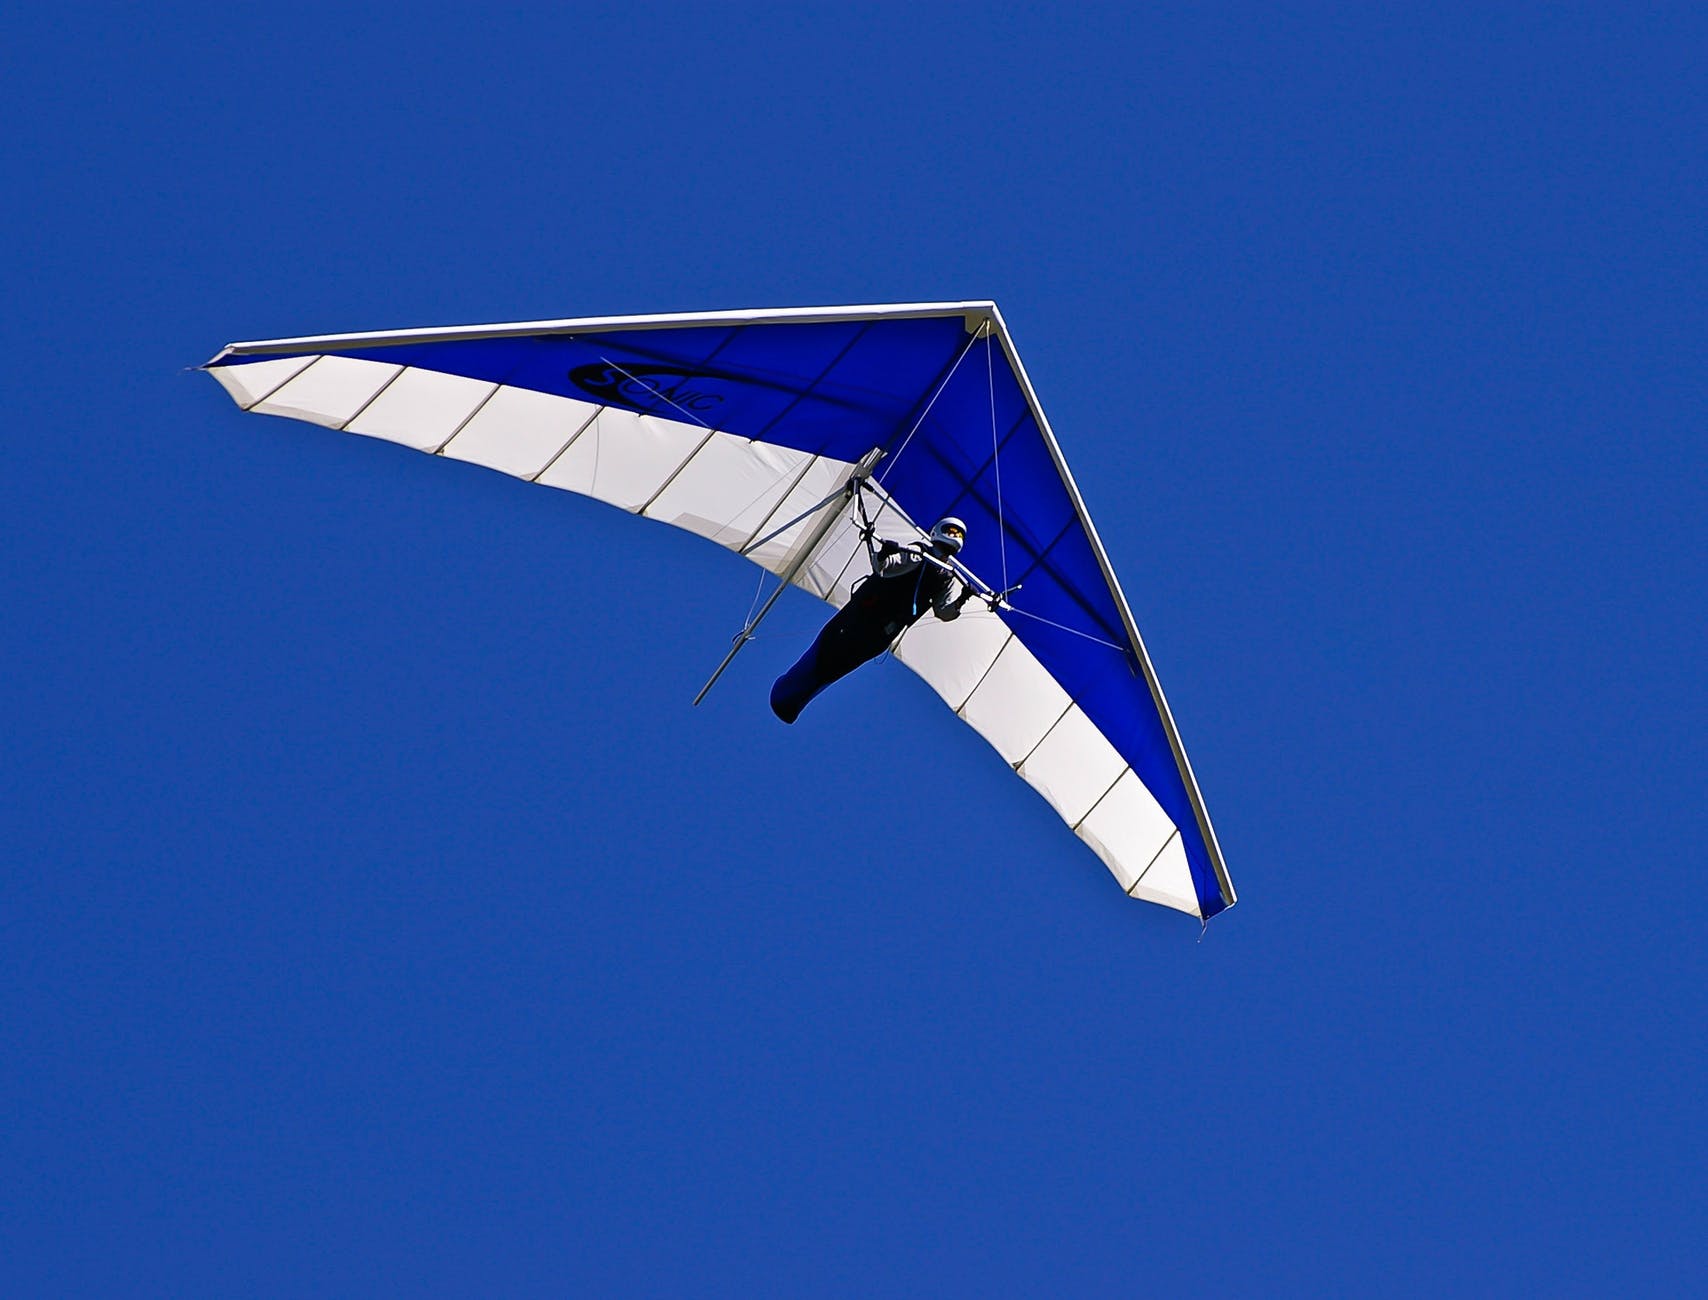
832 572
1073 767
1168 880
421 408
1016 704
332 391
821 478
519 431
1127 829
249 384
954 657
624 458
729 488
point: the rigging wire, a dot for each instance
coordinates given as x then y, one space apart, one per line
757 593
663 397
996 455
927 411
1063 627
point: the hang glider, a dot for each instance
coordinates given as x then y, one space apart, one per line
773 433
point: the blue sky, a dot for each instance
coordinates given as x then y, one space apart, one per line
379 917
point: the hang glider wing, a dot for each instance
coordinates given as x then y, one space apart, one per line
741 427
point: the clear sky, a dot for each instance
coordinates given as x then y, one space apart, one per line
377 915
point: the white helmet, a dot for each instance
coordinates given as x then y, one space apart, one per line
950 533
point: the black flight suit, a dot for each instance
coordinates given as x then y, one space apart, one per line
902 586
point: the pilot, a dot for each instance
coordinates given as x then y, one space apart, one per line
905 582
